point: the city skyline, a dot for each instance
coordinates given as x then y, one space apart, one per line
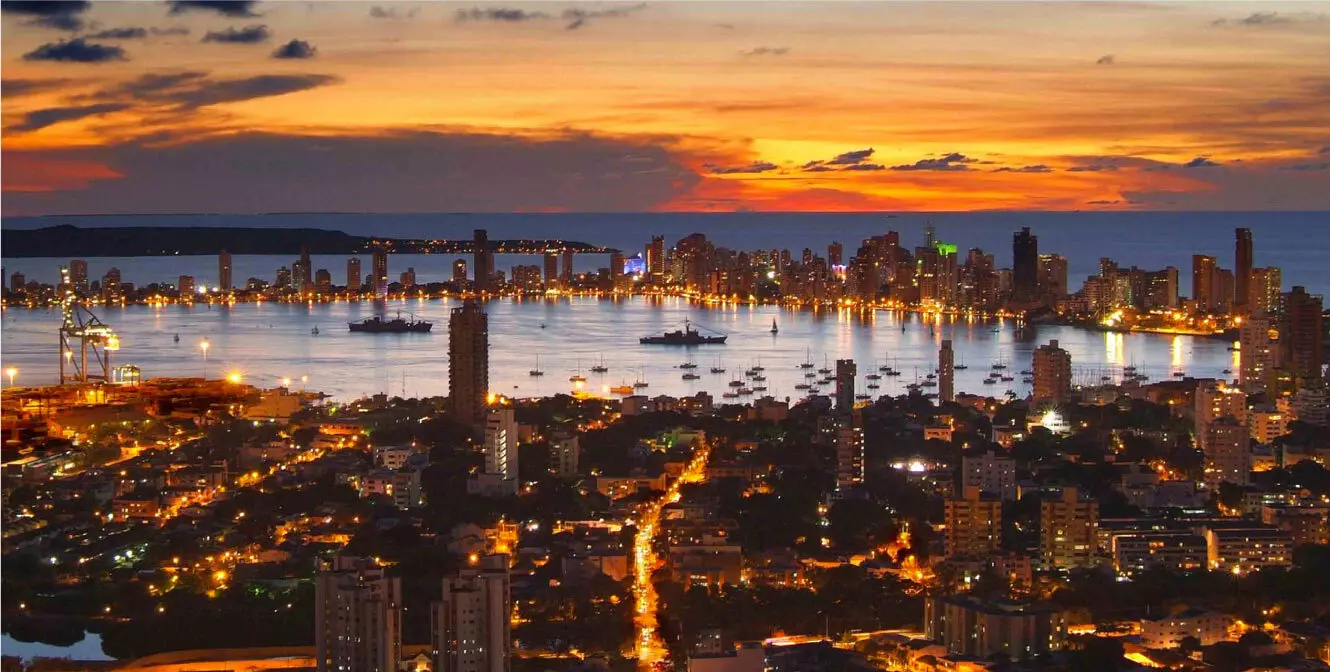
531 107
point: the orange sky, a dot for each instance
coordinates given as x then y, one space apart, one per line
671 106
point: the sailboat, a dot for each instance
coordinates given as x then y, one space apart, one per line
961 366
536 371
577 377
639 383
600 368
718 368
774 328
808 360
177 338
826 365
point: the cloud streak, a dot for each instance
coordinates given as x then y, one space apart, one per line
76 50
39 119
765 51
954 161
231 8
252 34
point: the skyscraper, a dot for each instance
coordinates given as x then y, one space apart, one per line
845 372
1300 333
946 373
459 271
1267 285
849 452
501 444
835 251
224 271
357 617
1242 271
1052 276
379 271
1214 400
1052 373
471 629
78 274
468 362
1068 529
1227 452
1257 355
974 522
656 260
1203 282
305 280
353 280
483 261
551 270
186 287
566 277
1025 266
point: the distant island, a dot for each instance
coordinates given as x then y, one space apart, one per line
153 241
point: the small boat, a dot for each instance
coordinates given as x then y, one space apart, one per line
1008 379
873 386
730 395
750 373
577 377
929 383
718 369
893 372
745 391
1027 372
931 376
536 371
1179 374
177 338
688 365
314 331
873 376
863 397
760 379
691 376
802 386
990 381
774 329
758 367
640 384
622 389
736 383
542 325
1027 381
759 388
1105 379
810 374
600 368
902 327
961 366
1227 371
808 361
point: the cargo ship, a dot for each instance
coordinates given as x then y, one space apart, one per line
687 336
397 325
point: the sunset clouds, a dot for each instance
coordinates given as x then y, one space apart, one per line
665 105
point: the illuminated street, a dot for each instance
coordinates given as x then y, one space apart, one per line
650 647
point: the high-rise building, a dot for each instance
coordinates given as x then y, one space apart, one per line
379 271
305 278
283 279
1214 400
186 287
1068 530
849 452
224 271
78 274
566 276
110 283
974 523
468 362
656 260
990 473
1025 266
357 617
471 625
1223 291
408 278
845 372
483 260
1257 354
835 252
1300 334
353 281
1052 276
616 267
1267 286
551 270
17 281
1203 292
501 443
946 373
1227 452
1242 271
323 281
459 271
1052 373
565 454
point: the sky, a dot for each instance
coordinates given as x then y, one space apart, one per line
286 106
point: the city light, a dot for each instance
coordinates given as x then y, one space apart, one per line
234 377
11 372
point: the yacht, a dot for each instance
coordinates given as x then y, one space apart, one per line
577 377
691 376
759 388
688 365
863 397
730 395
990 381
810 374
774 329
826 367
803 386
873 376
622 389
1008 379
736 383
808 361
961 366
600 368
536 371
718 368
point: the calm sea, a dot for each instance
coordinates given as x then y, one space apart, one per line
269 341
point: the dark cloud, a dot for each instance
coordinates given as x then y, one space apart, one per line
189 90
252 34
578 17
1307 166
50 14
865 166
1036 168
952 161
76 50
15 88
1259 19
378 12
1106 59
754 167
766 51
851 157
295 49
134 33
39 119
502 14
170 30
817 167
427 172
1093 168
1200 162
232 8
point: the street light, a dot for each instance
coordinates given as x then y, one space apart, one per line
204 346
11 372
